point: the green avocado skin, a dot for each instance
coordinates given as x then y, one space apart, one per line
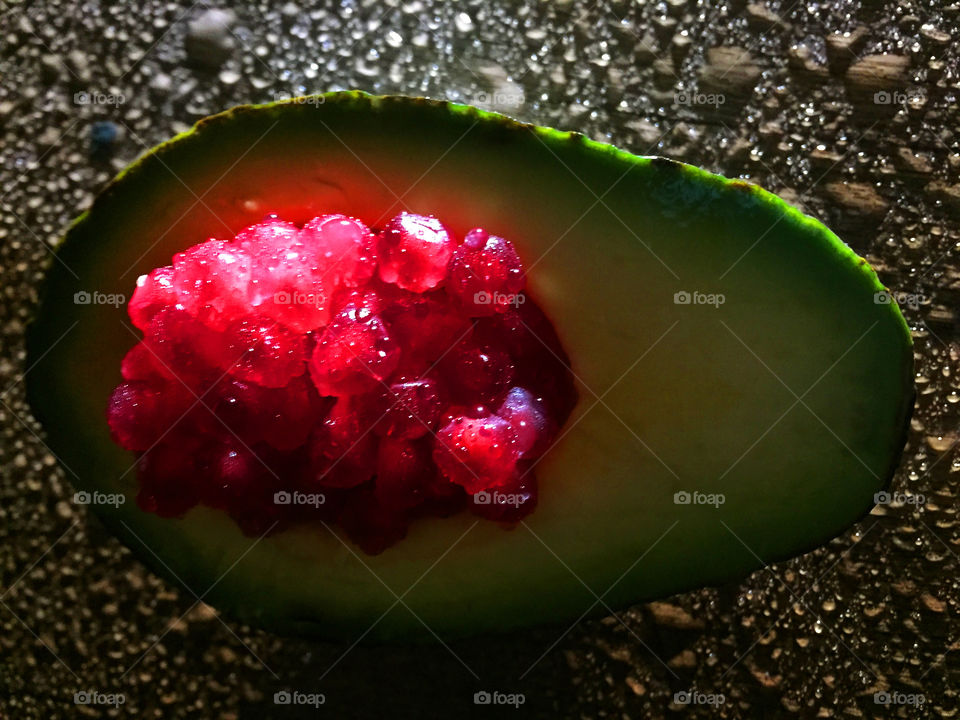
790 399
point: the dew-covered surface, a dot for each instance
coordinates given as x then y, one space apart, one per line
873 611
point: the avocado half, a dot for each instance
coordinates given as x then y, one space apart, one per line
723 343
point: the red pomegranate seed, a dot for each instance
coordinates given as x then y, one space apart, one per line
477 371
140 363
346 246
212 280
528 418
343 449
154 292
413 408
270 233
477 453
263 351
288 282
486 275
185 347
414 252
290 413
237 406
427 328
355 354
233 472
140 413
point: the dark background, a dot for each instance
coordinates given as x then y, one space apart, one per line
816 637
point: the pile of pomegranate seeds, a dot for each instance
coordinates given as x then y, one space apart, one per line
333 373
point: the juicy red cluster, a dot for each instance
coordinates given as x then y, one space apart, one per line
334 373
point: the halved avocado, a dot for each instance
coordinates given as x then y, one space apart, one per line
790 398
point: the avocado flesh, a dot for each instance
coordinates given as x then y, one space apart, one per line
694 397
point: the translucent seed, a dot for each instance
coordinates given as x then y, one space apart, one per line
486 275
414 251
477 453
355 354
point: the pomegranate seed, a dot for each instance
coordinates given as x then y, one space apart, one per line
486 275
354 354
414 252
346 245
426 328
212 281
477 453
154 292
343 448
185 347
142 364
263 351
140 413
478 370
527 417
413 409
